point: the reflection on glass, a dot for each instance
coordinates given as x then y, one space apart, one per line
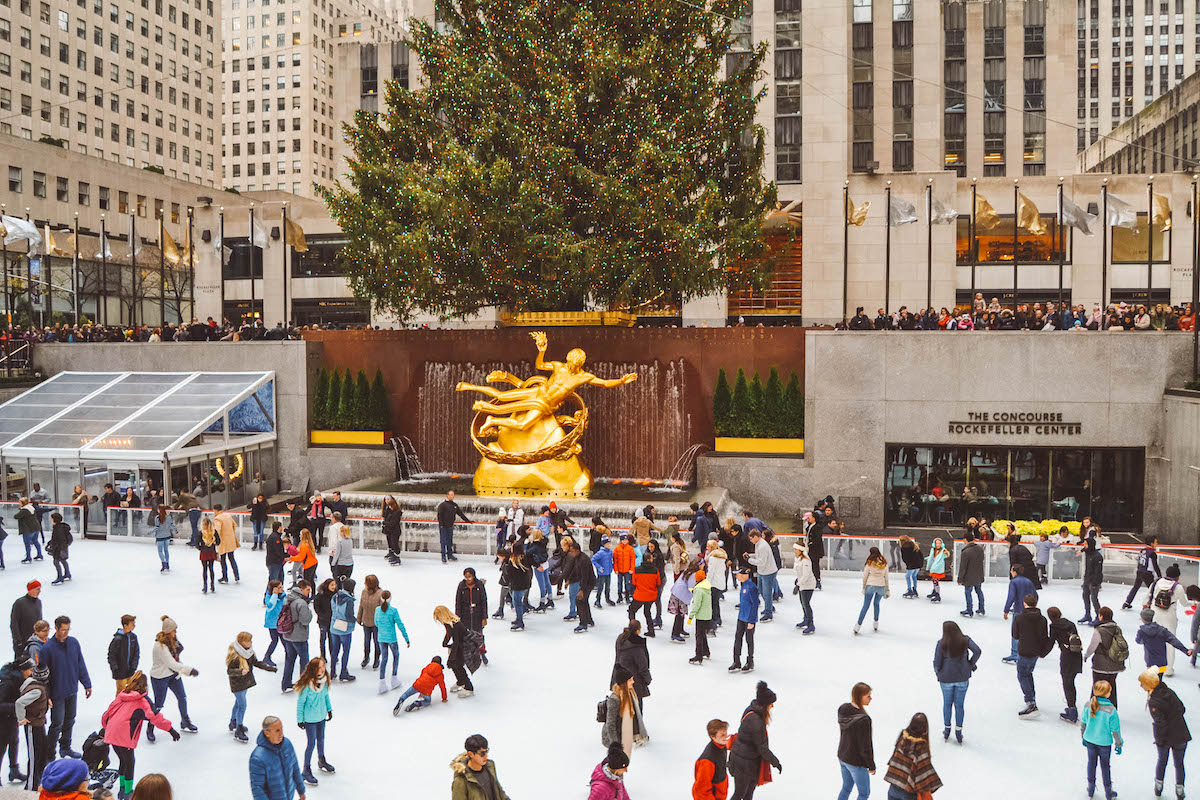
1129 244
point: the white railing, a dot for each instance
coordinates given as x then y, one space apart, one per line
72 515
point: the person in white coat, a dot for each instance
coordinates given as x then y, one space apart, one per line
165 673
514 515
806 584
1167 595
715 567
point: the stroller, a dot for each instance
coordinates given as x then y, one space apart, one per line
95 755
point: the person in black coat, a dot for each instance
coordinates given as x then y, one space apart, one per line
1032 635
586 577
297 521
258 518
26 610
1171 734
276 554
1019 554
470 601
393 528
633 655
971 572
124 652
1070 662
856 746
750 751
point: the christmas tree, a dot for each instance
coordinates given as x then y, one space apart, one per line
559 155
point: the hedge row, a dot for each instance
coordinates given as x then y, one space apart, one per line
349 403
757 411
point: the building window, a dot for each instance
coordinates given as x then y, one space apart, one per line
39 184
16 180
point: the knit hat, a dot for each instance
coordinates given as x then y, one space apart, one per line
169 625
23 664
64 774
604 540
1147 615
29 587
621 675
616 757
41 673
700 575
763 695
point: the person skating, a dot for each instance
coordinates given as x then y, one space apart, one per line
1019 554
274 770
432 677
935 565
1032 635
26 610
464 657
680 601
306 557
1042 557
341 556
806 584
716 567
1147 571
1070 659
910 556
208 556
447 510
323 611
875 586
66 779
276 553
623 723
971 574
1108 652
166 672
646 585
602 562
341 630
368 602
624 561
536 557
763 561
293 623
470 602
393 529
1167 596
569 559
519 578
240 663
259 513
1093 577
910 771
1101 730
59 548
162 527
701 611
747 618
11 678
387 621
710 775
856 748
586 578
955 657
608 778
227 543
30 530
750 756
63 657
30 705
1019 587
123 722
313 710
273 602
633 656
474 773
124 652
1171 734
1157 642
654 550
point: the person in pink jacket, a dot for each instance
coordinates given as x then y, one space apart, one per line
608 778
123 727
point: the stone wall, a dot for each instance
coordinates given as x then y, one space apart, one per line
1181 457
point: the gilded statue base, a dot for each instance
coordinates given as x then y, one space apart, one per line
549 478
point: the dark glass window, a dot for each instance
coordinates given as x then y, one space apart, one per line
321 258
238 261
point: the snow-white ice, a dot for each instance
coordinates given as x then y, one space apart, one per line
536 703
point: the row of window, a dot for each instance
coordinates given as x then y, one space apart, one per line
63 19
83 194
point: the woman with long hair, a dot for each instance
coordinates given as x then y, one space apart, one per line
910 554
166 674
856 750
208 555
306 557
519 577
875 586
608 778
323 611
623 714
240 662
273 602
654 550
633 656
259 511
368 601
954 659
464 655
152 786
393 528
678 554
806 584
750 757
387 621
1101 730
122 723
162 525
935 563
313 710
910 771
1171 734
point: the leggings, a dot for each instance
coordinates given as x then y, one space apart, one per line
745 781
461 677
370 634
125 760
208 575
643 605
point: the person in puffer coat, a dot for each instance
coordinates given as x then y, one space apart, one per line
122 724
274 770
608 778
749 753
342 629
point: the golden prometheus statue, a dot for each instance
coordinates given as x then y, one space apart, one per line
535 449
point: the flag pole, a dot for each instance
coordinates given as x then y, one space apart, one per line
1060 233
102 298
162 269
929 245
1104 251
191 269
887 269
1016 239
29 272
971 244
1149 239
221 258
1195 285
845 245
251 252
7 303
75 270
285 266
133 271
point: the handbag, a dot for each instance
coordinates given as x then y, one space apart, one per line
340 625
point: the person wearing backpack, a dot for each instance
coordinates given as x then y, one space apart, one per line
1070 659
294 618
1108 652
1032 635
1147 571
1166 596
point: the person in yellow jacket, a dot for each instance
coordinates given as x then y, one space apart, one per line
701 611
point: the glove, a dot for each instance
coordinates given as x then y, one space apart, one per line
1118 749
300 725
329 716
779 768
195 672
174 735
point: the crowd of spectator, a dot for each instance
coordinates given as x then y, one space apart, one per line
197 331
982 315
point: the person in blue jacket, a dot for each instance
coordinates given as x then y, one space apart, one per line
1018 587
602 561
313 710
342 629
274 771
1101 730
387 620
1155 639
273 601
748 602
62 656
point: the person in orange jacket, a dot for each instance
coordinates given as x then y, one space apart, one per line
424 685
646 581
306 557
711 776
624 559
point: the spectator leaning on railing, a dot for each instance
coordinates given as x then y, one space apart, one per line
1025 317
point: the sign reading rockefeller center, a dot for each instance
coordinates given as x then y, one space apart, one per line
1015 423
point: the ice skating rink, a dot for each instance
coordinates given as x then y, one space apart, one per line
536 702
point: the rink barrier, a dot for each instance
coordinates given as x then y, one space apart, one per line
72 515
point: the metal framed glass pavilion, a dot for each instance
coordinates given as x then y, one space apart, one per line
157 433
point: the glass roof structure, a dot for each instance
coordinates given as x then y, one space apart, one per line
138 416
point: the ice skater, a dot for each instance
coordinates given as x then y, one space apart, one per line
806 584
608 778
1157 643
711 772
387 622
240 663
432 677
910 771
701 611
273 603
1167 596
748 602
1070 659
875 586
955 658
59 547
910 555
1101 731
935 565
856 748
122 723
1032 635
1171 734
166 673
208 556
751 750
313 710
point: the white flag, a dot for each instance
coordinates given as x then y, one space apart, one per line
17 229
1120 213
105 250
901 212
217 239
941 214
1076 217
258 236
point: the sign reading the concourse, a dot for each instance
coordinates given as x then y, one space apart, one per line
1015 423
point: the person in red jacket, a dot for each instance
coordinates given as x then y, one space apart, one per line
712 778
123 727
624 559
429 678
646 581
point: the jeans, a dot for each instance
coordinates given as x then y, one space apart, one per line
340 644
62 723
624 586
159 687
978 593
806 604
1025 665
1139 580
871 594
717 594
743 631
394 649
1164 752
239 707
164 551
518 596
258 532
275 572
63 570
1101 753
293 652
953 696
572 590
315 732
446 536
896 793
275 640
910 580
854 777
31 540
767 586
224 570
194 519
1091 597
603 584
409 692
543 582
370 634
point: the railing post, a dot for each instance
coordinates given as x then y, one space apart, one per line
403 537
361 524
129 523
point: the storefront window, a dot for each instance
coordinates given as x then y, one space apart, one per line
995 245
1129 244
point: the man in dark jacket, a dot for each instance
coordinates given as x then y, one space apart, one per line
971 574
339 506
1147 570
63 656
860 321
274 770
816 542
11 678
276 555
701 527
124 652
1019 554
1070 659
297 520
883 322
110 498
1032 635
447 510
470 601
26 610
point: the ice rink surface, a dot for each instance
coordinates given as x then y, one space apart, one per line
536 702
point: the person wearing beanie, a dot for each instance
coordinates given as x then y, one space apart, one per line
1156 641
166 673
65 779
750 756
608 778
26 611
1171 734
1167 597
701 611
31 707
623 724
122 723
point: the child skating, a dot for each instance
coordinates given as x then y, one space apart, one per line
430 678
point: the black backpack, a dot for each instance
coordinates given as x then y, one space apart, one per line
1165 597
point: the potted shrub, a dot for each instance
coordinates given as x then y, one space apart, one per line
756 418
347 410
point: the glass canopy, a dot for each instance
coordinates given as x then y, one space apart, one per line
138 416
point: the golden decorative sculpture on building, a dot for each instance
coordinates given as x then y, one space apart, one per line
536 449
